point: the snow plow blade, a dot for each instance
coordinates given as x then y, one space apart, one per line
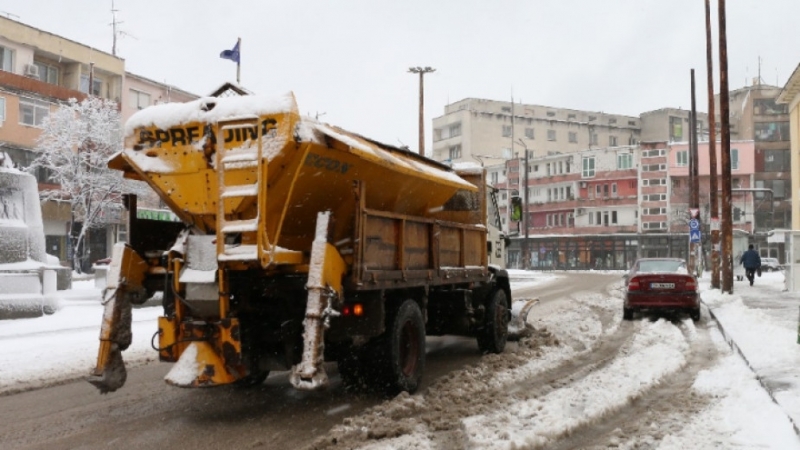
518 326
123 286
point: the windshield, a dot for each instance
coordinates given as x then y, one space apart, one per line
662 266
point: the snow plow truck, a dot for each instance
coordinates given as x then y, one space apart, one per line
299 243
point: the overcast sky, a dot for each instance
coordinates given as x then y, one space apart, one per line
348 60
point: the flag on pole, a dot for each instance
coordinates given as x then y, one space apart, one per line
232 54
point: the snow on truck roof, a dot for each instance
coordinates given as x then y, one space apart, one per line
167 115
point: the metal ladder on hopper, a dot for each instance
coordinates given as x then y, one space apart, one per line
232 160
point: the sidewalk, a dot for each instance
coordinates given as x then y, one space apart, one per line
760 322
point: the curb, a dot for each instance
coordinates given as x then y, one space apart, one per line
732 344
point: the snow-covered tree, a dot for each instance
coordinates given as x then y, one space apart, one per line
74 147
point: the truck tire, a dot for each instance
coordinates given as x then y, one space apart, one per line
401 350
494 334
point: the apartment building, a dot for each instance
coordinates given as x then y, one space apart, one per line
756 114
492 131
40 71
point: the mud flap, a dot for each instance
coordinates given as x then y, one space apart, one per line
518 326
324 281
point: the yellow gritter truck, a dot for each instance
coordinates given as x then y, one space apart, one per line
300 243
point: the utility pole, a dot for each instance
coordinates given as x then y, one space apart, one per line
712 155
726 225
695 247
421 71
526 258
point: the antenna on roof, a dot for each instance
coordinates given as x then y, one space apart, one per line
114 24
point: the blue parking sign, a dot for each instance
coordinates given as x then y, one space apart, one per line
694 236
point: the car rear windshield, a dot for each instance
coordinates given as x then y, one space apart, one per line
662 266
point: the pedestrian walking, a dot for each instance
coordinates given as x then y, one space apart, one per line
751 262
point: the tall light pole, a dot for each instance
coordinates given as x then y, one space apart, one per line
421 71
526 258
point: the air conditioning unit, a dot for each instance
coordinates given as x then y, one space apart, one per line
31 70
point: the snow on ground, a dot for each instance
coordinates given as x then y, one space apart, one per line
762 320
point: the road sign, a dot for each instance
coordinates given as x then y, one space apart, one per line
694 213
714 224
694 224
694 236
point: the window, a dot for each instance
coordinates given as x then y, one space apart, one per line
593 139
682 158
455 152
47 73
612 141
771 131
6 59
588 167
768 107
624 161
495 177
613 217
2 110
97 85
598 190
32 111
614 190
776 160
551 114
573 137
448 131
571 116
506 130
734 159
529 133
551 135
506 109
675 129
139 99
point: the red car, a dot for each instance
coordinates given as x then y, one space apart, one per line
661 284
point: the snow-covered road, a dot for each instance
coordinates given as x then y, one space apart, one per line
585 379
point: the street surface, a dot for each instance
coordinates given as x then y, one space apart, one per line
459 389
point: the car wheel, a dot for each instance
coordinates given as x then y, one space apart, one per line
492 338
627 314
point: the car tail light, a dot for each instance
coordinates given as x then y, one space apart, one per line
633 284
691 284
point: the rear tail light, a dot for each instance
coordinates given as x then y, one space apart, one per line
691 285
356 309
633 284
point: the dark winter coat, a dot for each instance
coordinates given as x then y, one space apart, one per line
750 259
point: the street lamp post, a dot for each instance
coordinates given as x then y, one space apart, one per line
526 258
421 71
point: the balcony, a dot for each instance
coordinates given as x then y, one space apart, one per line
24 85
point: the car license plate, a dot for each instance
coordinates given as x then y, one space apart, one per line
662 285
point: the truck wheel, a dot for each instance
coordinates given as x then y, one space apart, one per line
494 334
401 350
